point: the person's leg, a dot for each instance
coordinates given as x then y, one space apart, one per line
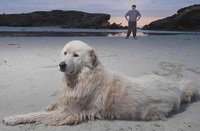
129 30
134 29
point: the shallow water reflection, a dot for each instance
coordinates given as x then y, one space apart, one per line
63 32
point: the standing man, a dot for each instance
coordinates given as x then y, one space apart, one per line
132 16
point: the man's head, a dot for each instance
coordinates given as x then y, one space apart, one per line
133 7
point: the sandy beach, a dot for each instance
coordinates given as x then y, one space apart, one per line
30 77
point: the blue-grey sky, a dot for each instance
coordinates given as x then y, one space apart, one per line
117 8
113 7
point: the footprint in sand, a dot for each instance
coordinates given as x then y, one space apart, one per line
16 45
194 70
2 61
168 69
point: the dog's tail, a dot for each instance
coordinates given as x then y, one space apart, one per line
188 90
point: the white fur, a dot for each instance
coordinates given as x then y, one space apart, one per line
90 92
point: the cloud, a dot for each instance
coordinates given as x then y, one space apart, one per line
102 5
113 7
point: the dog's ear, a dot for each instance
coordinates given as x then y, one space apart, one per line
93 58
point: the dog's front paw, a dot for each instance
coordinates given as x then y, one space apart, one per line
51 107
11 121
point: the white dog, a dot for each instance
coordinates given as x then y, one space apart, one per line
90 92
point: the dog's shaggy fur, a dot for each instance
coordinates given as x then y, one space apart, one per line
90 92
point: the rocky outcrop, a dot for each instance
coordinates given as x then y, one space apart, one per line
117 26
186 19
66 19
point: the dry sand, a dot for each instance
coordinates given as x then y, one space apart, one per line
30 78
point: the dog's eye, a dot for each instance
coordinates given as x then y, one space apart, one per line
76 55
65 53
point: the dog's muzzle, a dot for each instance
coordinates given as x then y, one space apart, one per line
62 66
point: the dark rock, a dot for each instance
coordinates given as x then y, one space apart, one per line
66 19
117 26
186 19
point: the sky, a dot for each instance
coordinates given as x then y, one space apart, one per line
150 9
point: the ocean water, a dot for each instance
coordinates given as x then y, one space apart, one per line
57 31
66 32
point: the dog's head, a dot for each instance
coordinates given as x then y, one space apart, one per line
75 56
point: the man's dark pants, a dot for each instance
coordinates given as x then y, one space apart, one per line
132 26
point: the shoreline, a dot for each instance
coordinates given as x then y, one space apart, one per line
34 32
70 32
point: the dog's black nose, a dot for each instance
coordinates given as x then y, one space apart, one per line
62 65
